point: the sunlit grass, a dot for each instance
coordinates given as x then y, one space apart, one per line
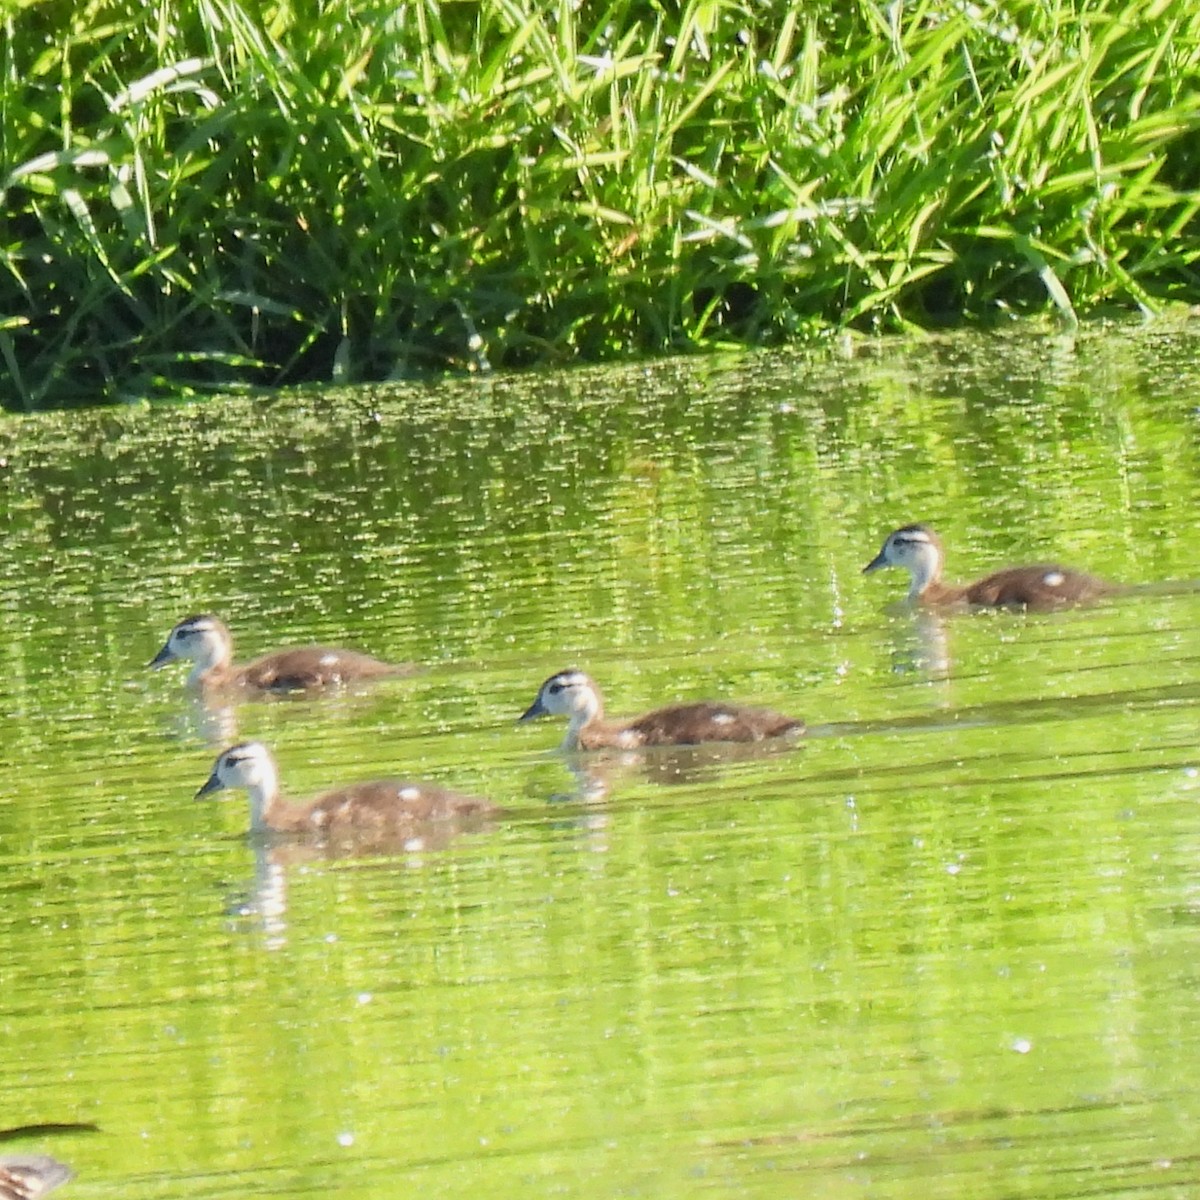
200 196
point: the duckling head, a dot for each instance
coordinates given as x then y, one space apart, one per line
917 549
248 765
204 639
569 694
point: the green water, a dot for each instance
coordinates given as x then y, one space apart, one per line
949 946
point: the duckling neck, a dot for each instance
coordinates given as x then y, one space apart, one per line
589 713
939 594
211 665
264 800
203 675
925 574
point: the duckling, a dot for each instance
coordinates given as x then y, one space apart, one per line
919 550
378 809
28 1176
574 695
206 640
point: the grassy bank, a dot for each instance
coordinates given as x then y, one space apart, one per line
198 197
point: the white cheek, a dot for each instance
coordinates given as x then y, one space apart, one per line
723 718
328 660
409 794
1054 579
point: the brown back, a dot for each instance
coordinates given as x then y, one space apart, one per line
708 721
306 667
380 807
1042 586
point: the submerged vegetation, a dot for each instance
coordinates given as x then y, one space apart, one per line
212 196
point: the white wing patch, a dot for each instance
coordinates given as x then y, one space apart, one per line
1054 579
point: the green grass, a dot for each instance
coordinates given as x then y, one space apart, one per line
198 197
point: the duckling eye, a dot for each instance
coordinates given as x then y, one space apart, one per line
555 688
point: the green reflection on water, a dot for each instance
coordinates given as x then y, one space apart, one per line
945 947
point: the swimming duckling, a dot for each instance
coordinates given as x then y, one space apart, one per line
574 695
919 550
206 640
28 1176
378 809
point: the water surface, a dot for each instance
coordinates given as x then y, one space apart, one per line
946 947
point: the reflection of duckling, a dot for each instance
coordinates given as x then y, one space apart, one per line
572 694
206 640
28 1176
919 551
378 810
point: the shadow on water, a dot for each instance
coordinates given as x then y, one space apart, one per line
1019 712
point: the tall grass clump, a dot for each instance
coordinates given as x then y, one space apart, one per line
214 195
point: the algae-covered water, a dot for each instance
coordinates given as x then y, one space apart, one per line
947 946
